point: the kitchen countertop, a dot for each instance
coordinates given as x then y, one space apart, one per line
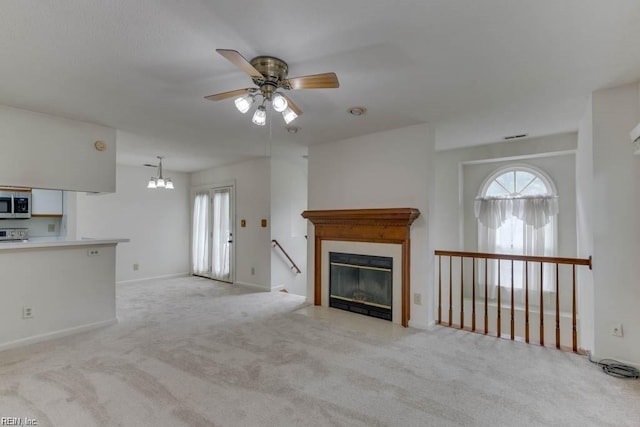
47 242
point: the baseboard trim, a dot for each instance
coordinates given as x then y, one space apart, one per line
57 334
146 279
253 286
277 288
418 325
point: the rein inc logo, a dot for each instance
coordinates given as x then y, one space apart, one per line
18 421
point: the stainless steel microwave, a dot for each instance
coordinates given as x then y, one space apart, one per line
15 205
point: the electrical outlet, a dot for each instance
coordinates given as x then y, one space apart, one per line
616 329
136 267
27 312
93 252
253 271
417 299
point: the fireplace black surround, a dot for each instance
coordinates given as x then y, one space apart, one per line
361 284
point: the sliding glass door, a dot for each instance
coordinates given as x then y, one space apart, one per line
212 240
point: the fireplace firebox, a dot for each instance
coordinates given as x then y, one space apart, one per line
361 284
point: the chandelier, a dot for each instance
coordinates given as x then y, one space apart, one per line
269 97
160 181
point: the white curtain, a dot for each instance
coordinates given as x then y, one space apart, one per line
534 211
200 248
221 234
517 226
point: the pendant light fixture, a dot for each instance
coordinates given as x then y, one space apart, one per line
160 181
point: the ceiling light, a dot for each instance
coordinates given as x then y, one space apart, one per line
160 181
260 116
289 115
279 103
293 129
243 104
357 111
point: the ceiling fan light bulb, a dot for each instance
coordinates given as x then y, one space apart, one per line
260 116
289 115
152 183
169 184
243 103
279 103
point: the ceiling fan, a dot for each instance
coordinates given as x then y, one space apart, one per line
269 74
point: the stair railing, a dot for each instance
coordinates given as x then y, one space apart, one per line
529 261
293 266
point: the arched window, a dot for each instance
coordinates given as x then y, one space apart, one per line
517 210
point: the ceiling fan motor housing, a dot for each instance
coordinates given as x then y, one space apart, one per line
274 71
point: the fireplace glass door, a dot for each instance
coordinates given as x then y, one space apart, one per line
361 284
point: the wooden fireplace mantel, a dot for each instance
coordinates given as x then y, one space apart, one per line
365 225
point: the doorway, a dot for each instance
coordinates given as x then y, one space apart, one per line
212 233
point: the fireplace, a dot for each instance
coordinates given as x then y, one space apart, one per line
358 231
361 283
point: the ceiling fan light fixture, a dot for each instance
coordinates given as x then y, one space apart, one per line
243 103
260 116
279 103
160 183
168 184
289 115
152 183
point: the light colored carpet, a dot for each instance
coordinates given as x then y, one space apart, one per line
195 352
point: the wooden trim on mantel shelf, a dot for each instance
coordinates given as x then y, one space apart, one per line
365 225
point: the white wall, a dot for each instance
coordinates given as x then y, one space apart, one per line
288 200
383 170
252 243
584 225
66 290
43 151
616 213
156 221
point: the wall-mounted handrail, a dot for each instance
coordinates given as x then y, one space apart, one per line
293 264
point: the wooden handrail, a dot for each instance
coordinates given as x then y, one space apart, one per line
293 264
486 255
526 259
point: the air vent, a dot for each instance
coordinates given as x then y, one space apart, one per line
522 135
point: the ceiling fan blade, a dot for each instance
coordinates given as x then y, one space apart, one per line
239 61
293 106
230 94
315 81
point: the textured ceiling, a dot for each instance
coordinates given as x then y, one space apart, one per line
476 70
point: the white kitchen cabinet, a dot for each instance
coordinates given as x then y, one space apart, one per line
46 202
